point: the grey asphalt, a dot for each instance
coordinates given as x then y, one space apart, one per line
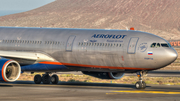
155 73
79 91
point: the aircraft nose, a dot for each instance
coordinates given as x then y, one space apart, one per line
172 55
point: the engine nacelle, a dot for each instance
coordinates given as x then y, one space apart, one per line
105 75
9 70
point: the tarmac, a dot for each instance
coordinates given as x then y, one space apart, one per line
155 73
80 91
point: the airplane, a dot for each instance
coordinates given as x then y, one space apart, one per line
101 53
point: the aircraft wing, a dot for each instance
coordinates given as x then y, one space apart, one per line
26 58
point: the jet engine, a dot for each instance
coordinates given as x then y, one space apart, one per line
105 75
9 70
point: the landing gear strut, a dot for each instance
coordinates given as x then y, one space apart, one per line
141 84
46 79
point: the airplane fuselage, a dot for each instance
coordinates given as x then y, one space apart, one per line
86 49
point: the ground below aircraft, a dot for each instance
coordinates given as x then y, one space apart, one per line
105 54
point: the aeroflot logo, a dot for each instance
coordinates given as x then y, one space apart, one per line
108 36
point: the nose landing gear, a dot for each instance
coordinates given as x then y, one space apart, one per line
141 84
46 79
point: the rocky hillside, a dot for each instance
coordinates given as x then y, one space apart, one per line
161 17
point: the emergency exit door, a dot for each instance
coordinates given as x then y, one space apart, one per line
132 45
69 44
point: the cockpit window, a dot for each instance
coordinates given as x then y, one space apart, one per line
158 45
153 45
164 45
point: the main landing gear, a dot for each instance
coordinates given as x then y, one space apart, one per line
46 79
141 84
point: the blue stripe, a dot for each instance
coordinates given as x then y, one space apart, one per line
43 67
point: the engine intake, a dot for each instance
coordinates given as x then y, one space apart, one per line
105 75
9 70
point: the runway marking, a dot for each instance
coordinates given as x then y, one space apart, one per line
153 92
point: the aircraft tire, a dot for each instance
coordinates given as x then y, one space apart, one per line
143 85
46 79
140 85
37 79
54 79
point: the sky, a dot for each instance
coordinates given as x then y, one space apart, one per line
10 6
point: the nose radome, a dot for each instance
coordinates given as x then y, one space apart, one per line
172 55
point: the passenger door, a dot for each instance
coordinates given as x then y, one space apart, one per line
69 44
132 45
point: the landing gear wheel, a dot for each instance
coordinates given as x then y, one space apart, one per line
143 85
46 79
54 79
37 79
140 85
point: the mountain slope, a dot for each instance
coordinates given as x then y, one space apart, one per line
161 17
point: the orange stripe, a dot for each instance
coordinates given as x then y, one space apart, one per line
107 67
52 63
3 70
93 66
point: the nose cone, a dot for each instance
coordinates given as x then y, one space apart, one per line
172 55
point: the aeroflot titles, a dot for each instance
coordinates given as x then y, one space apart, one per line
108 36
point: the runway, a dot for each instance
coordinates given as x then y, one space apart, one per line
79 91
155 73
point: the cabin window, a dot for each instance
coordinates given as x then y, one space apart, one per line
97 44
108 44
84 44
94 44
90 44
102 44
